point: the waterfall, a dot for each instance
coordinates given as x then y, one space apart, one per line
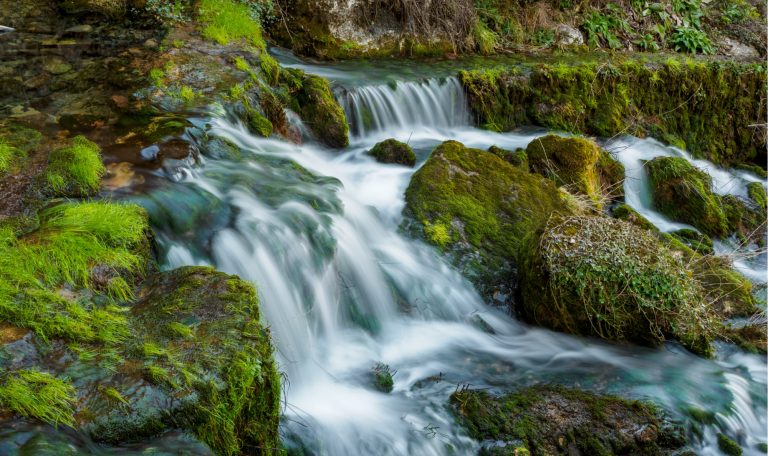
405 106
342 289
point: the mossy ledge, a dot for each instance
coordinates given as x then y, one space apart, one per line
711 108
554 420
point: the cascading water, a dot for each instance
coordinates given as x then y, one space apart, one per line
316 230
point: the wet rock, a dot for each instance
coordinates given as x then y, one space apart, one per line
57 66
393 151
607 278
478 209
321 112
552 420
82 29
151 43
568 36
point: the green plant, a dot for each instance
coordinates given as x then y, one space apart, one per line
39 395
76 169
382 377
225 21
602 28
544 37
485 38
647 43
8 155
689 39
738 11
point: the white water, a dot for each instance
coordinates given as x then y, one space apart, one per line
342 290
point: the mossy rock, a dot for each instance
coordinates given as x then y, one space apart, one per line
553 420
625 212
479 209
745 218
516 158
752 337
321 112
111 8
684 193
607 278
393 151
576 163
728 446
757 194
727 292
698 242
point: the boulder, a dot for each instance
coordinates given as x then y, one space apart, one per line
607 278
578 164
684 193
393 151
479 209
321 112
568 36
553 420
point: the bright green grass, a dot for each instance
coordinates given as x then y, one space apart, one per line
39 395
71 240
225 21
7 155
76 169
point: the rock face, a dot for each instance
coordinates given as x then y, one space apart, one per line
607 278
568 36
578 164
479 209
733 48
552 420
393 151
357 28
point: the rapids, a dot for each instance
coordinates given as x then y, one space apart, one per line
342 288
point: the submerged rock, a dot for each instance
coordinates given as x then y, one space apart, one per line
607 278
553 420
479 209
393 151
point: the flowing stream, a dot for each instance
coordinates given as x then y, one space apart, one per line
342 289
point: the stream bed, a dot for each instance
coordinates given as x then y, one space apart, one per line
342 288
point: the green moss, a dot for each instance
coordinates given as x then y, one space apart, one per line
473 201
225 21
271 69
517 158
393 151
38 395
8 155
698 242
382 378
321 112
610 279
684 193
569 162
727 291
187 94
728 446
70 241
115 396
228 363
626 213
75 170
745 219
630 97
548 419
757 194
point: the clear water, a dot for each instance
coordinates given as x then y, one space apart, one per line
343 289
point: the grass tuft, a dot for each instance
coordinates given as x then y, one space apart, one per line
75 170
39 395
225 21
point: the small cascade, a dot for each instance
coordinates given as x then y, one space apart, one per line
403 106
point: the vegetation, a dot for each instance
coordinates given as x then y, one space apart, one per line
382 377
225 21
708 110
609 279
75 170
758 196
72 239
321 111
393 151
728 446
553 420
38 395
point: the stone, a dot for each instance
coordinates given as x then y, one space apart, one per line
57 66
79 29
735 49
568 36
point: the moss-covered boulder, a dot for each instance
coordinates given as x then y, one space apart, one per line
745 218
321 112
553 420
578 164
757 194
698 242
515 157
684 193
393 151
479 209
625 212
610 279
